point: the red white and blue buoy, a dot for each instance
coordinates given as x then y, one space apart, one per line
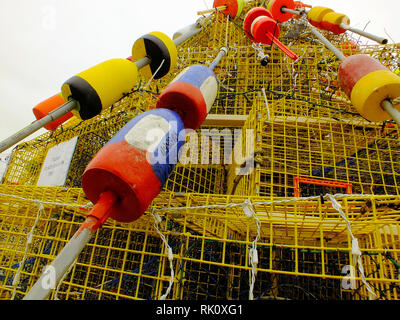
136 163
191 95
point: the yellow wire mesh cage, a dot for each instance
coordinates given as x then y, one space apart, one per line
305 247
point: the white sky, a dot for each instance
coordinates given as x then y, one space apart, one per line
44 42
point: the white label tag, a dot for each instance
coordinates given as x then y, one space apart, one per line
56 165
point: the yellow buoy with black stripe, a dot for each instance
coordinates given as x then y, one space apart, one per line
100 86
160 49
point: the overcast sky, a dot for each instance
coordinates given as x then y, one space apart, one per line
44 42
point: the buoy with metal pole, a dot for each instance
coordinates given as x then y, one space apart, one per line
89 92
320 17
129 171
260 27
369 85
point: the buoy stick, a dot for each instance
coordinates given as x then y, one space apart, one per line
71 105
296 12
389 108
191 33
221 8
222 53
61 264
282 47
364 34
38 124
328 44
102 210
360 32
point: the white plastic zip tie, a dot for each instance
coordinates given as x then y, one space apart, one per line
157 221
260 52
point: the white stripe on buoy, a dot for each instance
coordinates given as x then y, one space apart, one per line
209 90
254 21
148 133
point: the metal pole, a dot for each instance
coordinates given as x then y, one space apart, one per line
364 34
191 33
328 45
389 108
221 8
55 272
71 105
38 124
64 260
297 13
222 53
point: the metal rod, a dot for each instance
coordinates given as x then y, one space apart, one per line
328 44
65 259
221 8
38 124
389 108
70 105
143 62
222 53
191 33
364 34
58 268
296 12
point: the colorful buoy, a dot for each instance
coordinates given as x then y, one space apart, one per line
333 21
136 163
368 83
326 19
316 14
232 8
261 28
191 95
160 49
100 86
276 6
349 48
45 107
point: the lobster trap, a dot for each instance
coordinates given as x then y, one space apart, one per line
307 208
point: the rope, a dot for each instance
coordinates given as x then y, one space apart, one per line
266 104
155 73
88 205
157 221
355 249
62 279
268 203
253 254
247 207
29 240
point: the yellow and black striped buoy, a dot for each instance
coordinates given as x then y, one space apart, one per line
160 49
